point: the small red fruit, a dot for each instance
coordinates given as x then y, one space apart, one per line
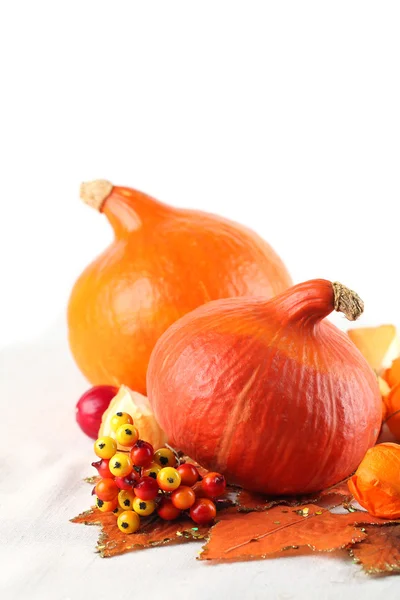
142 454
146 488
127 483
203 511
167 510
189 474
133 477
183 498
106 489
214 484
198 490
91 406
102 468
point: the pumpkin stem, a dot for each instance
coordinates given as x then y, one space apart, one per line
94 193
347 302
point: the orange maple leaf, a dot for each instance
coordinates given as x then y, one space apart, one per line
258 534
333 496
283 529
380 551
112 541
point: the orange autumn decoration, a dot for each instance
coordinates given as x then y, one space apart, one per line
385 391
280 531
157 533
392 374
163 263
392 417
376 483
260 534
267 392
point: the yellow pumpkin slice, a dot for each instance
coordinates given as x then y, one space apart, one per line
383 387
379 345
138 407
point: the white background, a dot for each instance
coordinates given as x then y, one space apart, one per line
282 115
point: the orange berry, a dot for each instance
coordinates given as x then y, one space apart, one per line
183 497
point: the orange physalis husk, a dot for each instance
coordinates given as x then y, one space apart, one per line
376 483
392 419
392 374
385 391
260 534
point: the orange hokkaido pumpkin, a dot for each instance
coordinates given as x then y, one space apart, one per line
163 263
267 392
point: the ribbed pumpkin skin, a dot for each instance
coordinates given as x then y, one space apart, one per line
162 264
267 393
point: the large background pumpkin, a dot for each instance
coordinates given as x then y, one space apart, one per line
163 263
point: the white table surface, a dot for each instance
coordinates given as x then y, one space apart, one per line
44 457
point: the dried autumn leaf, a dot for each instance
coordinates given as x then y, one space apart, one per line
333 496
112 541
93 516
259 534
340 489
251 501
92 479
380 551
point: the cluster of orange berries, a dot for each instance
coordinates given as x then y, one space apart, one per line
138 482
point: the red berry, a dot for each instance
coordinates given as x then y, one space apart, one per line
122 484
167 510
91 406
142 454
106 490
213 484
127 483
189 474
102 468
198 490
146 488
203 511
183 498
